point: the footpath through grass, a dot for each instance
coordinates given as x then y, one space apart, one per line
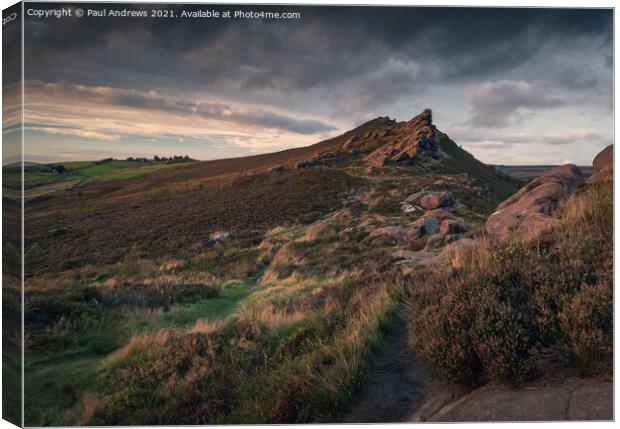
56 380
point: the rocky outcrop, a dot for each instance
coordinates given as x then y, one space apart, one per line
532 207
399 234
325 158
603 166
369 136
431 200
277 167
413 140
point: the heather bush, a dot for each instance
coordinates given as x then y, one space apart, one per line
490 318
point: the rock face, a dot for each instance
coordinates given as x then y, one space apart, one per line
603 166
413 140
531 208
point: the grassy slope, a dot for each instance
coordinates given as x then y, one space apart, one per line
501 186
119 170
56 380
35 175
175 220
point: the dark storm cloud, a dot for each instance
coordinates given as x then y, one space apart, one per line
502 71
11 46
328 45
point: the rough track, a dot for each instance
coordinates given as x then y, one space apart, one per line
398 383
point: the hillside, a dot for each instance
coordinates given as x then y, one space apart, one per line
179 206
273 287
374 134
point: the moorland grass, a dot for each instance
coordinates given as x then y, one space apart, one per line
74 322
506 306
248 370
281 356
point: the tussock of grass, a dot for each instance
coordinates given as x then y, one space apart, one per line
494 316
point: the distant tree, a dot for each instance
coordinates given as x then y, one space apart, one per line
60 169
130 158
156 158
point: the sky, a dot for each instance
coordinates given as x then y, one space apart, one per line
512 86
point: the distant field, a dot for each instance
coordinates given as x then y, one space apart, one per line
42 175
530 172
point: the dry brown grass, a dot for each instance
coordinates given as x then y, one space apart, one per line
82 413
294 353
141 343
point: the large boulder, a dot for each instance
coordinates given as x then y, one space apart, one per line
531 208
603 166
399 234
453 252
428 225
435 200
431 200
390 235
449 226
440 214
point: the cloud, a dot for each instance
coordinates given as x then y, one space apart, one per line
77 132
105 97
496 104
280 83
484 138
329 48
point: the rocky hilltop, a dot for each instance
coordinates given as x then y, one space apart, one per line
398 143
383 146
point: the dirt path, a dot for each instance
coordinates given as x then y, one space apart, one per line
400 389
398 383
